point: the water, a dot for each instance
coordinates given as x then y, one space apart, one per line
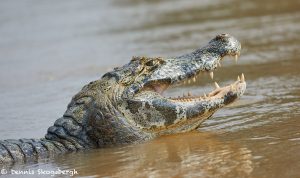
48 51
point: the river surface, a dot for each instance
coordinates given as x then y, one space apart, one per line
50 49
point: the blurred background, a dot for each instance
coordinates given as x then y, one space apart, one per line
50 49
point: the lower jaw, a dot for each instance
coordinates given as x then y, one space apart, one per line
187 125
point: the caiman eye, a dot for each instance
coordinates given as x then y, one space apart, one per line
154 62
221 36
151 63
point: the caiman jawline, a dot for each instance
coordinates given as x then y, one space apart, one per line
219 92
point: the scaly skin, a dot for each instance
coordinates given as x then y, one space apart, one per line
126 105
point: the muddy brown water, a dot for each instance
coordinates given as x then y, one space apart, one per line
48 51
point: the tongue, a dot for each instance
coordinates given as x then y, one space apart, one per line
160 88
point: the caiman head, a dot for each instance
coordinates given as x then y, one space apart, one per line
136 89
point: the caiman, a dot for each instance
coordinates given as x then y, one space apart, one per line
127 105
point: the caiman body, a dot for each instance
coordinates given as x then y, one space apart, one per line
127 106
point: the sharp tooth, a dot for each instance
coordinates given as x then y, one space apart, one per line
211 74
238 79
242 78
217 86
205 95
189 81
231 87
236 58
189 94
194 79
219 64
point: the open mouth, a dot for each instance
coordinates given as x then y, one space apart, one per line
218 92
236 87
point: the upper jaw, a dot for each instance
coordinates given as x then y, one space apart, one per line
206 59
187 67
178 71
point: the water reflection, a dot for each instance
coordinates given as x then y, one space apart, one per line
192 154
